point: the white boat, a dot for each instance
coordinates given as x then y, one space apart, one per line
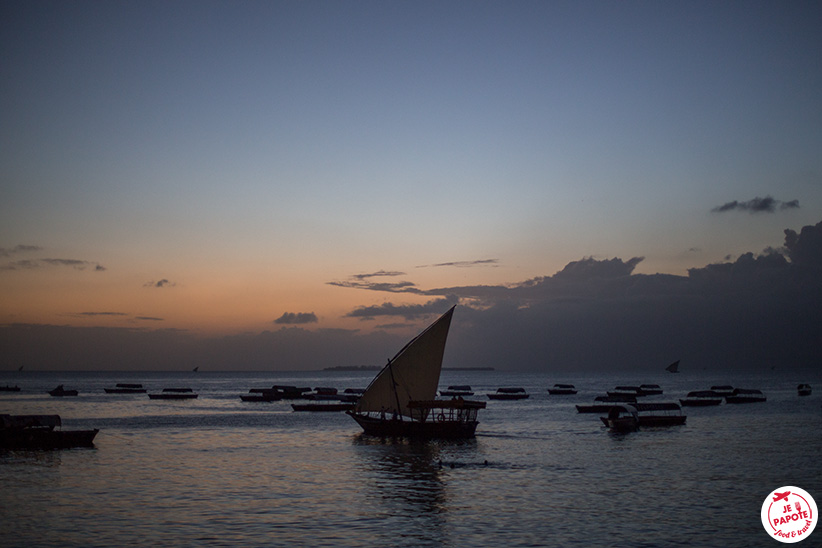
562 390
400 400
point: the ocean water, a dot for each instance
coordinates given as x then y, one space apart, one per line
217 471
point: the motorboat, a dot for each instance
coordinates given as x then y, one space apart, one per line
605 403
174 394
723 390
457 390
650 389
60 391
9 388
804 390
562 390
701 398
744 395
512 393
646 415
126 388
41 432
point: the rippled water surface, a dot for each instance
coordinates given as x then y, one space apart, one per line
217 471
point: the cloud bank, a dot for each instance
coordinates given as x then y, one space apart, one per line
759 312
758 205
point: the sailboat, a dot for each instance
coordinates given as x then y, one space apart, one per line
673 368
400 401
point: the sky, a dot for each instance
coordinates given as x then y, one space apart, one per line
303 184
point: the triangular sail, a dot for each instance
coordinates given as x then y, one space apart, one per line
413 374
673 368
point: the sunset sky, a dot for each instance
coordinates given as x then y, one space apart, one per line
236 168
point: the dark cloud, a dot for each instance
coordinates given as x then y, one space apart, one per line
102 314
295 318
4 252
758 205
364 281
160 284
805 248
148 319
464 264
34 264
407 311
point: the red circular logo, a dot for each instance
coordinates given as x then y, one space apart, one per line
789 514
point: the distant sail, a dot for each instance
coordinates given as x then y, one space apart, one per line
673 368
196 369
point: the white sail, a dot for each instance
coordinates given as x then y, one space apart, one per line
413 374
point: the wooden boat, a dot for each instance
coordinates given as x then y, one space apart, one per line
457 390
804 390
126 388
673 368
323 407
701 398
605 404
508 394
650 389
400 399
59 392
626 392
723 390
743 395
562 390
9 388
646 415
288 392
262 395
39 432
323 393
174 394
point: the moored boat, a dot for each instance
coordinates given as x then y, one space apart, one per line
510 393
60 391
650 389
457 390
41 432
626 391
701 398
126 388
562 390
261 395
174 394
399 401
605 403
647 415
323 407
723 390
804 390
9 388
745 395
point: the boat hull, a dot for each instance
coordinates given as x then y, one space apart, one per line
414 429
39 438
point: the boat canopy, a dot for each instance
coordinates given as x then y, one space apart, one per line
703 394
510 390
412 375
564 386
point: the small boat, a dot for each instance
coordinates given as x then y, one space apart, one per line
262 395
647 415
743 395
457 390
288 392
723 390
323 393
673 368
701 398
39 432
125 388
59 392
605 404
626 391
562 390
400 399
326 407
509 394
174 394
9 388
650 389
804 389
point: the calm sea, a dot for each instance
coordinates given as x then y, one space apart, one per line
217 471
